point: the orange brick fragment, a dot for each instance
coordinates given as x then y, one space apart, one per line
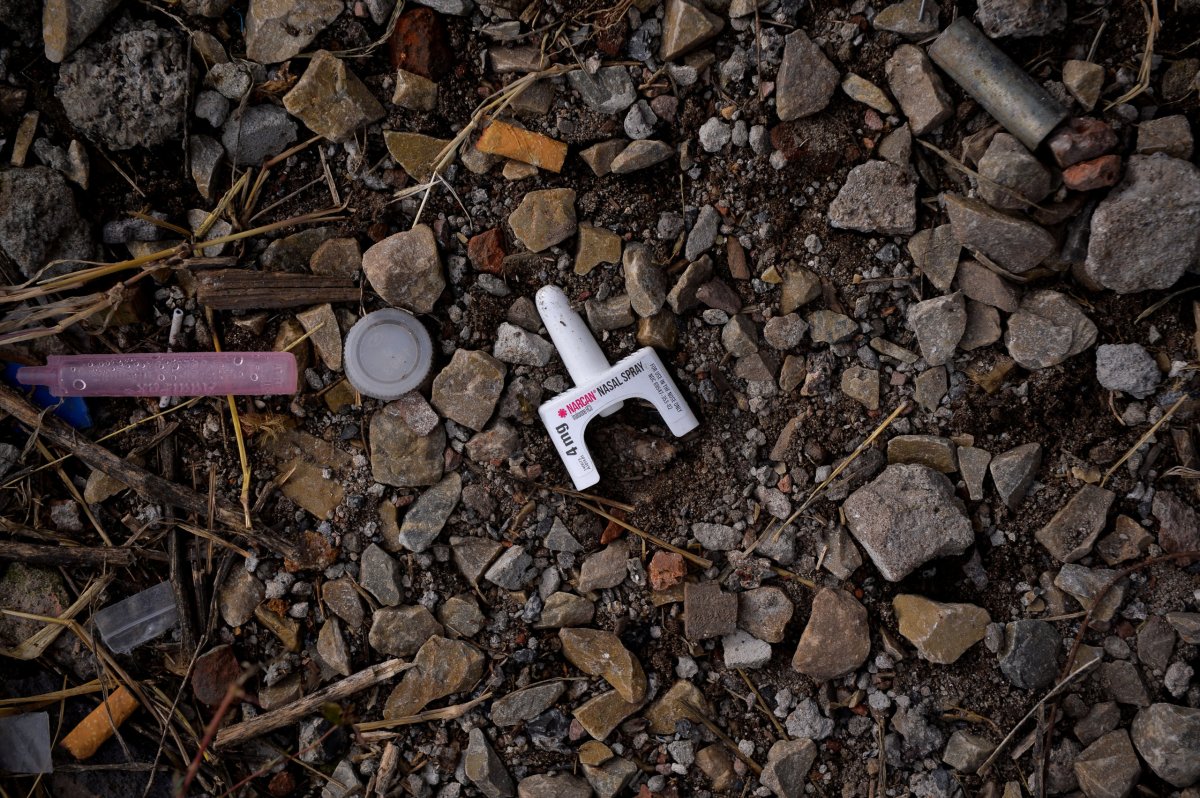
503 139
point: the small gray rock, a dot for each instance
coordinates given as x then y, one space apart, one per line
1128 368
512 570
484 767
379 574
521 347
877 197
1029 654
401 631
806 80
703 233
917 87
1013 472
906 517
257 133
644 280
788 763
939 324
428 514
608 91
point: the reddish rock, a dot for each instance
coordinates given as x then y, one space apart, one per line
1082 139
487 251
421 44
1099 172
666 570
282 783
613 530
213 674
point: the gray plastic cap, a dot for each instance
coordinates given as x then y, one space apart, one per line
387 354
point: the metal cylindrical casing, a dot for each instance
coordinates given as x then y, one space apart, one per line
1006 91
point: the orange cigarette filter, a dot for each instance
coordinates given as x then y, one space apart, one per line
98 726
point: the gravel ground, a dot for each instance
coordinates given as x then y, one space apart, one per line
944 373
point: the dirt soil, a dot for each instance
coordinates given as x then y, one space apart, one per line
709 475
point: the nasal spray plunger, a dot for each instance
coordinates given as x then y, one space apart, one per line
600 389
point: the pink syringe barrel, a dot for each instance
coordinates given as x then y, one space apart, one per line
166 374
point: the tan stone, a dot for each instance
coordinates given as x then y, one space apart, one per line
322 327
307 457
331 100
677 704
414 92
600 715
600 653
415 152
941 632
596 245
442 667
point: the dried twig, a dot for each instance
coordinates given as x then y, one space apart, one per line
293 712
150 486
834 474
1056 690
74 556
445 713
657 541
1145 437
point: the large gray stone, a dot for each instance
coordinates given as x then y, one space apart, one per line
1128 368
1013 242
806 79
467 389
1021 18
128 90
877 197
1048 328
1146 232
39 222
406 269
276 30
1168 738
906 517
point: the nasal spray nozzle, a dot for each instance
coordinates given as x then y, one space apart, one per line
600 389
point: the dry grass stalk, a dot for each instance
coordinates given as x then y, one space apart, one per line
1153 26
32 702
243 456
833 475
649 538
293 712
762 705
1056 690
591 497
445 713
1145 437
39 641
728 741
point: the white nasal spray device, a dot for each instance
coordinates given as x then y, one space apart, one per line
600 389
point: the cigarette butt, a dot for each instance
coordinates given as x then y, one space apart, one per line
98 726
